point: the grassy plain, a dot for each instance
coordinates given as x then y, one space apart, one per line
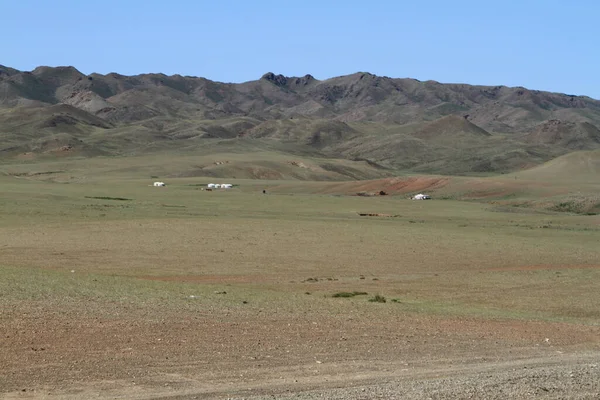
115 288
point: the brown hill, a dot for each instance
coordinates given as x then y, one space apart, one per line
571 135
314 132
46 129
576 167
356 97
450 127
400 123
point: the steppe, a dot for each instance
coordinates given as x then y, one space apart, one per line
315 275
112 288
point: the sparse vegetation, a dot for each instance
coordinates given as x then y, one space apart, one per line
415 135
108 198
468 263
567 206
191 292
378 299
349 294
126 274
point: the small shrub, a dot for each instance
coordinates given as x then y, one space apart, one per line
343 294
107 198
349 294
395 301
569 206
377 299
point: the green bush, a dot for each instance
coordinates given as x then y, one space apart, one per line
377 299
107 198
349 294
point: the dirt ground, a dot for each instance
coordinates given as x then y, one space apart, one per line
250 352
234 303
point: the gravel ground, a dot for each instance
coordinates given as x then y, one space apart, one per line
580 381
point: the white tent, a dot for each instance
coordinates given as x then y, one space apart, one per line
217 186
421 196
159 184
226 185
211 185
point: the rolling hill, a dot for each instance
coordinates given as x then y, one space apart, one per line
578 166
398 124
451 128
571 135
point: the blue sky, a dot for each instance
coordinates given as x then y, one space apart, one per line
540 44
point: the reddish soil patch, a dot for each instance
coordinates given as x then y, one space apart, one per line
210 278
390 185
488 194
26 156
406 185
543 267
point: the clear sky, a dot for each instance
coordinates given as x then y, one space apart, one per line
540 44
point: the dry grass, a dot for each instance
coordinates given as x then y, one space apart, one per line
442 251
132 291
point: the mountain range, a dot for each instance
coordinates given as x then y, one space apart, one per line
395 124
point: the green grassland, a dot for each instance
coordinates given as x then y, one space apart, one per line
110 283
128 240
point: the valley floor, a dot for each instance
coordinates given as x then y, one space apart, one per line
120 290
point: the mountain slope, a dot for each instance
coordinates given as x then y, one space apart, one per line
451 127
571 135
356 97
403 124
578 166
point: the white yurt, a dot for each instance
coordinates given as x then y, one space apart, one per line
421 196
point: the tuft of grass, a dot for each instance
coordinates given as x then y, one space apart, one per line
311 280
206 184
567 206
377 299
108 198
349 294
